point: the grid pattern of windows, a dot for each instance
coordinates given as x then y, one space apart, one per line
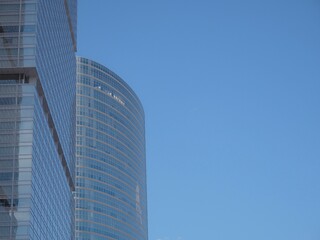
41 34
110 157
33 185
37 118
56 67
51 200
17 33
16 133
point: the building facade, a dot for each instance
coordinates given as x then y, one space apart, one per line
37 115
111 200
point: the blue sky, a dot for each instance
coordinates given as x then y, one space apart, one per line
231 91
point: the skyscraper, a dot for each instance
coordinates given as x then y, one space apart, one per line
111 200
37 113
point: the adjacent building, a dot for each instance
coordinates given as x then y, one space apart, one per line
111 200
37 118
72 137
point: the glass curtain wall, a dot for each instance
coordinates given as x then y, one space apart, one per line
111 200
37 118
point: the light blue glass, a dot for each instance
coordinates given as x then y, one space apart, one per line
37 119
111 198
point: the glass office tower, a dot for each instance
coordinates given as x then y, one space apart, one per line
37 114
111 200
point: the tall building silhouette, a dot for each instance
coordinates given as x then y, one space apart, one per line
37 114
111 201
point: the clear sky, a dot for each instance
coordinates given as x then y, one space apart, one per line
231 92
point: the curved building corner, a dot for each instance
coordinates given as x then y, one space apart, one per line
111 198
